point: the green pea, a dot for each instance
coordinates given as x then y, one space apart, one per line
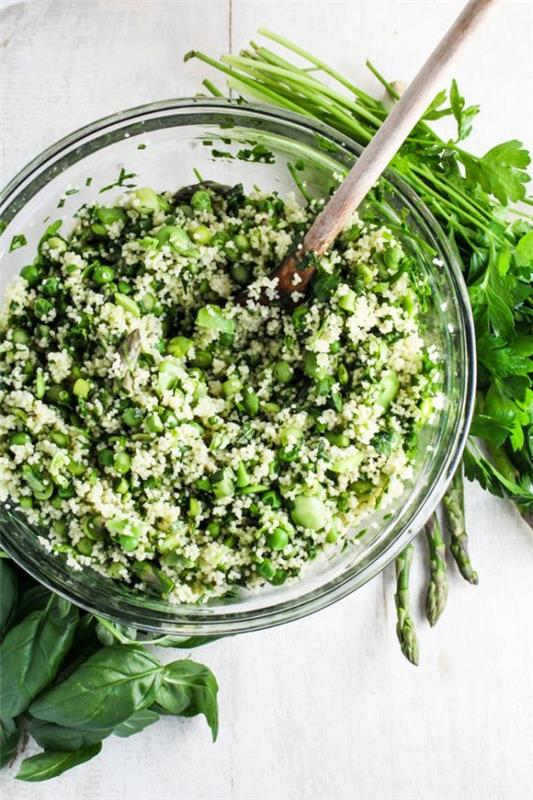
201 200
81 388
20 438
128 543
242 243
50 287
179 346
42 307
170 419
362 488
122 462
392 257
31 274
66 492
271 408
114 570
250 401
195 507
25 503
132 416
85 546
203 359
60 526
148 303
57 244
241 274
57 394
123 287
99 230
309 511
283 372
219 239
231 386
312 367
121 486
103 274
105 457
20 336
61 439
75 467
127 304
201 234
154 423
266 569
279 577
278 539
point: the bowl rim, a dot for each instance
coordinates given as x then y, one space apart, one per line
320 598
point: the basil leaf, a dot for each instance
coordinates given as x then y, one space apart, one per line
188 688
103 691
34 599
60 739
32 652
48 765
136 723
8 593
9 739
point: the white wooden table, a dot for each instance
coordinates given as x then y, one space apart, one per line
326 708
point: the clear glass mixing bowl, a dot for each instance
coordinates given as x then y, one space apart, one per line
162 143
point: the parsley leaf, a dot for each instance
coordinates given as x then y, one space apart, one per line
19 240
524 251
501 171
464 116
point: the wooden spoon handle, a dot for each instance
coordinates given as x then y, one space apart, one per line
393 132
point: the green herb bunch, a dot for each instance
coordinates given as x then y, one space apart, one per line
69 680
474 200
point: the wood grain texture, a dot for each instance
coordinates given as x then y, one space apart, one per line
325 708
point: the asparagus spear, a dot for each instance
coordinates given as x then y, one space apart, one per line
437 593
405 628
453 502
129 352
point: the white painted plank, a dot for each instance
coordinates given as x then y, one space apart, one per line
326 708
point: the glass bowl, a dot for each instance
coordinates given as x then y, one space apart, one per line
162 144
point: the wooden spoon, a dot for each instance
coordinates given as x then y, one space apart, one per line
296 271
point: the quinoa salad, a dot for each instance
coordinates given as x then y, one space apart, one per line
160 430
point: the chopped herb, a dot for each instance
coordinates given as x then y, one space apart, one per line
19 240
